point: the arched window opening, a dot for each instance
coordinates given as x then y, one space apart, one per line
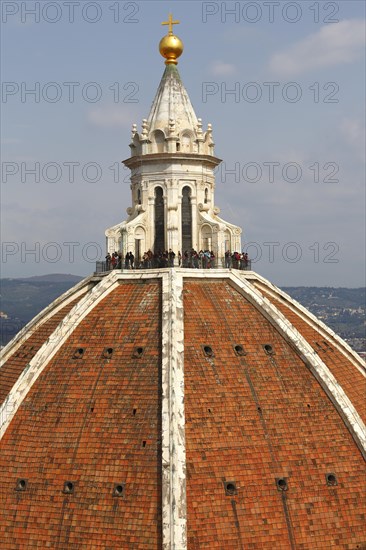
206 195
140 244
186 220
159 241
138 196
206 237
228 241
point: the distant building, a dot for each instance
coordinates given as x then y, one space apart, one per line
180 407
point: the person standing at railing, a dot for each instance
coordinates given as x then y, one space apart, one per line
207 259
186 259
246 260
171 256
228 259
119 260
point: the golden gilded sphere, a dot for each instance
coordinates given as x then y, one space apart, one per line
171 47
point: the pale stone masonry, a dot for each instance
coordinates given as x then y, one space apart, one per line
173 165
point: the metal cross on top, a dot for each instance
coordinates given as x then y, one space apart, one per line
170 22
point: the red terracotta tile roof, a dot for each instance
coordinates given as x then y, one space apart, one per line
95 422
14 366
258 417
351 380
252 418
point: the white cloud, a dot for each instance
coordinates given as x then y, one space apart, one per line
220 68
110 117
334 44
353 131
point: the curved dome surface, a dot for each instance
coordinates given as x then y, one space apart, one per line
181 408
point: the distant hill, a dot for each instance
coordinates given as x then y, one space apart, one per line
328 296
342 309
53 278
23 299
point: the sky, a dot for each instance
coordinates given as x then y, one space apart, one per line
282 83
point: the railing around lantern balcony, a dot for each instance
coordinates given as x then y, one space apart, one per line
193 263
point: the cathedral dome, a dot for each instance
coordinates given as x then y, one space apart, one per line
180 408
176 408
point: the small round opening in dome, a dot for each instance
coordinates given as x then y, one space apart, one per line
282 484
107 353
331 479
230 487
118 490
138 351
208 351
68 487
239 349
21 485
79 352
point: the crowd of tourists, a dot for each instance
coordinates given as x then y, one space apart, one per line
204 259
237 260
